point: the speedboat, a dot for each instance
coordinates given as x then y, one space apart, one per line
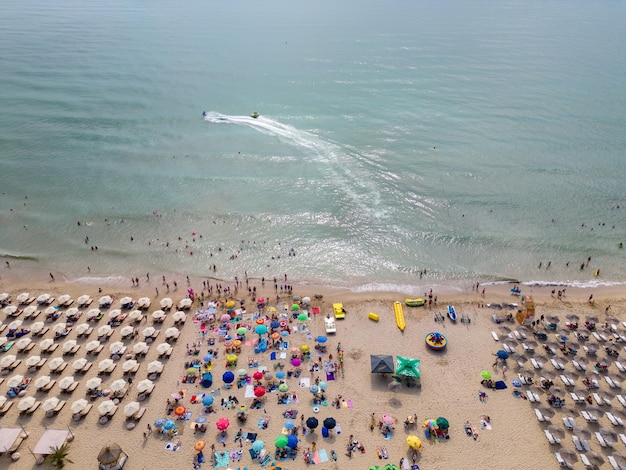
255 115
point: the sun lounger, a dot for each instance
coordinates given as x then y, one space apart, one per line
53 347
557 365
585 461
71 388
72 351
530 396
620 366
6 407
39 365
85 333
569 423
42 331
509 349
577 443
95 352
166 354
576 398
589 417
614 463
551 439
621 399
528 348
567 381
137 416
32 409
59 369
578 366
615 420
540 417
560 460
14 365
111 413
597 399
601 440
536 364
612 383
519 336
622 437
59 407
46 388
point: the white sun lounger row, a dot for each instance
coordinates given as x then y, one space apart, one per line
586 462
569 423
622 437
603 442
615 420
551 439
620 366
580 444
589 417
614 463
541 417
578 366
536 364
612 383
601 401
621 399
509 349
577 398
519 335
557 365
528 348
562 462
567 381
533 397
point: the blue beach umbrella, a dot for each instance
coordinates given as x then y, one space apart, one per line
258 445
159 422
207 380
208 400
274 324
260 329
289 424
280 374
228 377
502 354
292 441
321 339
207 357
169 424
314 389
284 333
323 385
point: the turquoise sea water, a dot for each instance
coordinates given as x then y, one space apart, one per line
472 140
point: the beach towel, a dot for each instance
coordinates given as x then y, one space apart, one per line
315 456
171 446
323 455
222 459
338 428
273 356
249 393
325 432
186 416
283 355
262 423
305 382
250 436
330 376
284 345
500 385
388 435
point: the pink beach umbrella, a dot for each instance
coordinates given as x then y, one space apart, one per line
222 424
259 392
225 318
296 362
388 420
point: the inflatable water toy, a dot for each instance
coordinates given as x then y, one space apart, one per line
436 341
419 302
373 316
452 312
329 323
596 273
340 313
255 115
397 308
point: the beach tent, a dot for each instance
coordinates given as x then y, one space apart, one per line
382 364
407 367
111 457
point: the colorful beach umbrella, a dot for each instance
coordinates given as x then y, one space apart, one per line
292 441
280 441
222 423
259 392
486 374
228 377
198 446
289 424
414 442
296 362
258 445
442 423
208 400
283 388
242 331
258 375
295 308
303 317
502 354
312 422
330 423
260 329
321 339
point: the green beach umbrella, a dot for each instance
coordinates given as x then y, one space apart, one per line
295 307
242 331
303 317
280 441
442 423
486 374
408 367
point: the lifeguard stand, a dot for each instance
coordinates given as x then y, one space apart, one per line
527 314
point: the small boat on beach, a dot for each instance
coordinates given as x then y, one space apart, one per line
255 115
419 302
452 312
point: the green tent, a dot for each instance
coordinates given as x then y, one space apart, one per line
407 367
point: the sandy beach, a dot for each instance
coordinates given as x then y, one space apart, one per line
450 382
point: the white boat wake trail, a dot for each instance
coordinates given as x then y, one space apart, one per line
345 170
